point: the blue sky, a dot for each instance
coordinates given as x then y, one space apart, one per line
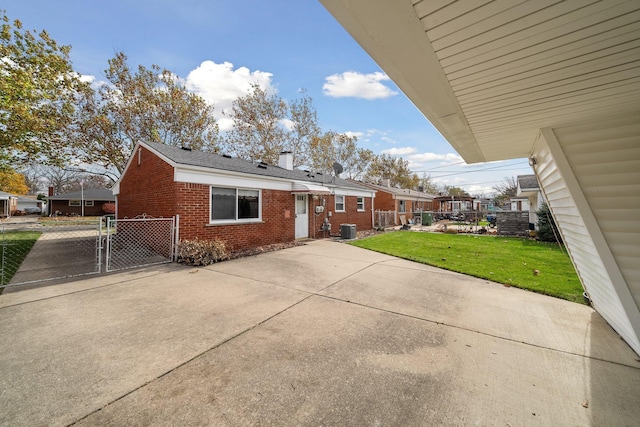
220 47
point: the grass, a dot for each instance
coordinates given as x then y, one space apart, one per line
15 246
536 266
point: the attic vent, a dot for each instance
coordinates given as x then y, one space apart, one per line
185 148
319 173
262 166
228 156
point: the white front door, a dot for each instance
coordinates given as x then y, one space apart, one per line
302 216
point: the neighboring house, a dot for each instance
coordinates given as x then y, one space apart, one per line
8 204
529 193
26 203
453 204
246 204
519 204
483 205
87 202
400 201
509 80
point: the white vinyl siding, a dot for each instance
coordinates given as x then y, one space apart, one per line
580 190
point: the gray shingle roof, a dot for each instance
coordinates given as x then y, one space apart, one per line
401 192
215 161
528 182
89 194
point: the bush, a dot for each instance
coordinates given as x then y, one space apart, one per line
547 229
202 252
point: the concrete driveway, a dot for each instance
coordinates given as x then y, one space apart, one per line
320 334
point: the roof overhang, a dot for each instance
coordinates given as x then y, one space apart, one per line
490 75
308 188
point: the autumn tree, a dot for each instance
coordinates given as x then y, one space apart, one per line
332 147
39 95
12 182
304 129
429 185
396 169
149 105
453 191
258 132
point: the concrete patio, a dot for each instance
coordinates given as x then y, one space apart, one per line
320 334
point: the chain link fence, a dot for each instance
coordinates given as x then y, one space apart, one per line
38 250
139 242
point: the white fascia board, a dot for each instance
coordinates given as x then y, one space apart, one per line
413 198
354 192
208 176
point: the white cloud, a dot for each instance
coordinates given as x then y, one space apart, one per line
351 134
401 151
357 85
448 158
287 124
220 85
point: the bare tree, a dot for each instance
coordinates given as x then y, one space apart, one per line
62 180
506 190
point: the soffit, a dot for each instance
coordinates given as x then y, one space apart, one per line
490 74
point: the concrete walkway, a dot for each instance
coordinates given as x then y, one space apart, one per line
321 334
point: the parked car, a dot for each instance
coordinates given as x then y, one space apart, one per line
33 210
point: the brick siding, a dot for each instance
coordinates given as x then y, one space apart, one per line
148 188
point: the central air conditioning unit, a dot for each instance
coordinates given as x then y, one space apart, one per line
347 231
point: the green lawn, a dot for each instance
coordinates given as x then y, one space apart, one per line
506 260
14 247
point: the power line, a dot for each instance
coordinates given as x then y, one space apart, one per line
502 167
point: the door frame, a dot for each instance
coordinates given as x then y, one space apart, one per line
301 231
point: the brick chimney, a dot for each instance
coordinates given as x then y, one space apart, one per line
285 161
51 192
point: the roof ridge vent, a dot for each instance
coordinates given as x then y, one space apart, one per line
186 148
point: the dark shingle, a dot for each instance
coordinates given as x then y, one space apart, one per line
222 162
528 182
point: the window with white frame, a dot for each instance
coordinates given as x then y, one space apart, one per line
75 203
360 201
402 206
339 203
88 202
235 204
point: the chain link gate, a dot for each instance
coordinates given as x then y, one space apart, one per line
140 242
48 249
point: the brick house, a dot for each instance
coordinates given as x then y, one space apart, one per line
400 201
244 203
87 202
